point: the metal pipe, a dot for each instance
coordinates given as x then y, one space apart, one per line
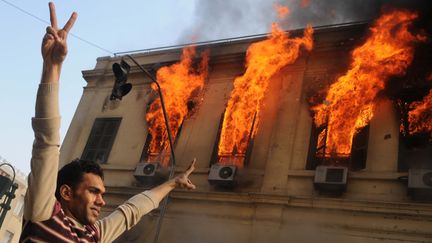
163 106
173 162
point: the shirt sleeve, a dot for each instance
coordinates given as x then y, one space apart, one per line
40 199
125 216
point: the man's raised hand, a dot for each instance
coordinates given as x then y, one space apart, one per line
182 181
54 45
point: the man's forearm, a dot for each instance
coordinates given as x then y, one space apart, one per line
162 190
180 181
129 213
51 73
47 97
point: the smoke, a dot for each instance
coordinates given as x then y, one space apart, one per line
218 19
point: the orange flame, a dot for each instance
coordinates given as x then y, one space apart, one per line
420 117
350 101
281 10
263 60
180 84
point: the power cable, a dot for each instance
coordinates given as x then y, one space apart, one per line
46 22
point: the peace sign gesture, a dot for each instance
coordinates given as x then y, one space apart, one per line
54 46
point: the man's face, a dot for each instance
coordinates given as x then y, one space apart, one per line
87 199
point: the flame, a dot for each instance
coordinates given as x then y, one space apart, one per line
263 60
180 84
420 117
304 3
350 101
281 10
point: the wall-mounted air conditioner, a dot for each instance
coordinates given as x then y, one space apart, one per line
222 175
150 173
331 180
420 184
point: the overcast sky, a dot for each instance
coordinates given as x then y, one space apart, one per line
118 26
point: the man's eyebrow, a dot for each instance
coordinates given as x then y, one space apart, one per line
98 190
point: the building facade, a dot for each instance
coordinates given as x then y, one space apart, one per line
274 198
10 230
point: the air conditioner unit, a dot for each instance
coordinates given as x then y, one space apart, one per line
222 175
150 173
420 184
331 180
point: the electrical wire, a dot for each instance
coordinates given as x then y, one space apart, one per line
46 22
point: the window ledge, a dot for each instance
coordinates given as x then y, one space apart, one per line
361 175
117 167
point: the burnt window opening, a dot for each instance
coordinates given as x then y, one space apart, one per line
415 149
101 139
413 104
163 157
317 150
157 147
236 158
415 152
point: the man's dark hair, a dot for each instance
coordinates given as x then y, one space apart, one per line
72 174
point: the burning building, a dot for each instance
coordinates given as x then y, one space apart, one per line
334 143
181 85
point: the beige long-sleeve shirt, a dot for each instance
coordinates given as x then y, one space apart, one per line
40 198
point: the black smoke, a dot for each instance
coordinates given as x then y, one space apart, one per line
218 19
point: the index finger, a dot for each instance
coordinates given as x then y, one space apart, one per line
53 16
70 23
191 168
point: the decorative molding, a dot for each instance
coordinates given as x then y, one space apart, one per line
360 175
416 210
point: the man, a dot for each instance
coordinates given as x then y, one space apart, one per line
69 212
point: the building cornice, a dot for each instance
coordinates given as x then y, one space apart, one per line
408 209
221 50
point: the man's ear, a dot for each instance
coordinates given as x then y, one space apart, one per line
66 192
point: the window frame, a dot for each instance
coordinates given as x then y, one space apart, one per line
100 145
357 159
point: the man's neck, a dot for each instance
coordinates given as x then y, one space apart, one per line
70 216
